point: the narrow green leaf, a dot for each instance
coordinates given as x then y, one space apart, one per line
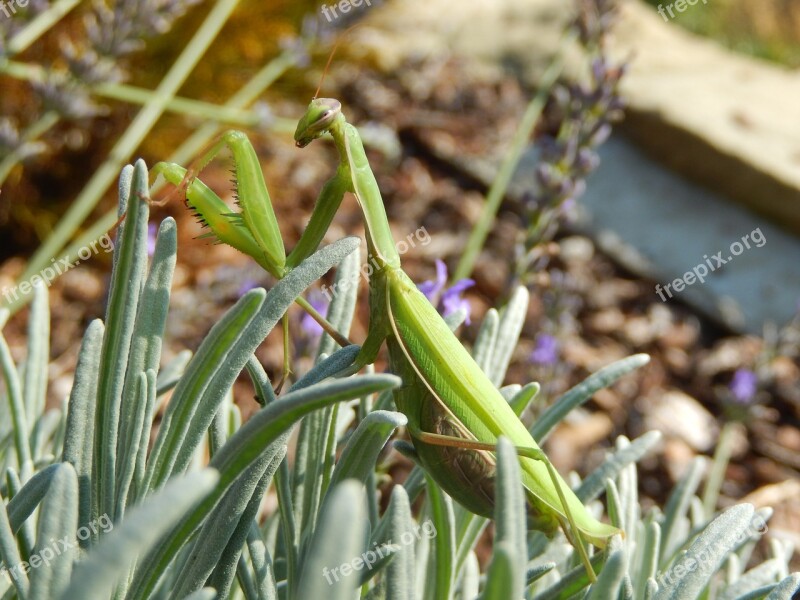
16 403
35 385
614 504
582 392
787 589
26 534
130 256
29 496
328 367
470 577
649 557
523 397
629 493
483 350
129 455
591 487
243 448
145 354
469 529
343 301
537 572
362 449
401 570
204 385
221 358
316 447
609 582
512 319
510 520
331 570
264 392
9 552
572 582
502 576
767 574
315 455
79 436
263 568
52 558
441 573
109 561
219 544
691 572
674 526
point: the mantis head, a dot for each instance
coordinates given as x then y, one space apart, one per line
319 117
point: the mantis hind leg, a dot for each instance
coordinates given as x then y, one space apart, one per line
574 537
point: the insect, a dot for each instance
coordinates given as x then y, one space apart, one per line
455 413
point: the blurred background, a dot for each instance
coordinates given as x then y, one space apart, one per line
673 131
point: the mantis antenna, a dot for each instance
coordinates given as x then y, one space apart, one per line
330 57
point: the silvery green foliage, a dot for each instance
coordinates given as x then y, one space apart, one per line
101 517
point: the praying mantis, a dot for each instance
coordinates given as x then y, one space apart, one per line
455 413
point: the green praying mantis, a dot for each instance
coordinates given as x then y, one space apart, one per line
455 413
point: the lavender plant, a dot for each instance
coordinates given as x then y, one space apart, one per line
88 512
585 113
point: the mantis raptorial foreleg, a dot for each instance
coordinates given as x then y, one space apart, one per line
254 230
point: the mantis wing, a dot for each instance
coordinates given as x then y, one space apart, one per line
452 376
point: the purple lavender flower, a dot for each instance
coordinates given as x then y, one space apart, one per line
432 288
247 285
545 351
744 385
152 233
449 300
452 301
307 323
584 113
